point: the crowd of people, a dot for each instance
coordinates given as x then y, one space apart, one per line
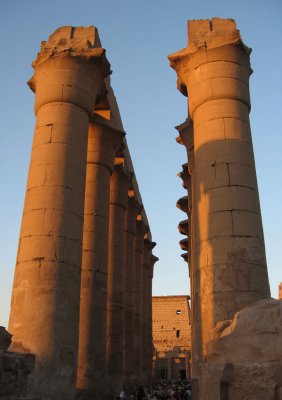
163 390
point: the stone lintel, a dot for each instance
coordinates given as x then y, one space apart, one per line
114 118
99 119
106 108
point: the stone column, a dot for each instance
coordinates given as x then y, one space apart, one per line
115 312
103 143
229 246
186 138
138 351
69 73
146 304
129 286
153 260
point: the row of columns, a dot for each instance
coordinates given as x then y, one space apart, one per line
82 289
226 246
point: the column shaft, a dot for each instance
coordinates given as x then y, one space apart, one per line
45 300
102 145
152 260
229 252
145 321
138 351
146 312
187 136
129 295
115 311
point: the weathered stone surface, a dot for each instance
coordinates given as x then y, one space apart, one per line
132 211
254 335
227 237
244 358
119 186
45 302
146 293
172 335
103 143
5 339
14 375
240 381
138 258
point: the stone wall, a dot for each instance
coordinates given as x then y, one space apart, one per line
171 326
171 336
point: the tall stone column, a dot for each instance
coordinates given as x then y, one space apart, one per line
153 259
103 143
229 247
69 73
129 286
146 303
115 311
138 351
186 135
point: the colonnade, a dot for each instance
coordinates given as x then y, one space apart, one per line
82 292
225 246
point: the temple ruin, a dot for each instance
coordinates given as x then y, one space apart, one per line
236 327
81 312
85 264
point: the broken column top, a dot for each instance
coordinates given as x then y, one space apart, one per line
209 34
73 41
205 37
213 32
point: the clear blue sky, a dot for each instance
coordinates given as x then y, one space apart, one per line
138 35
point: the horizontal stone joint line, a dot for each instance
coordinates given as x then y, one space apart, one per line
220 118
100 164
57 236
198 242
56 186
223 98
55 209
112 203
51 261
224 264
233 209
221 60
224 186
